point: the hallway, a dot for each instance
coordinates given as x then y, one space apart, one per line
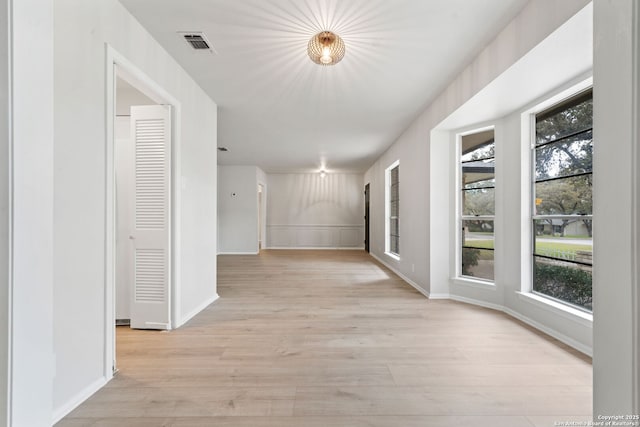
332 338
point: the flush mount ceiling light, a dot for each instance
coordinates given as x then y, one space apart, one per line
326 48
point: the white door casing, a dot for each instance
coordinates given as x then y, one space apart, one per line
151 217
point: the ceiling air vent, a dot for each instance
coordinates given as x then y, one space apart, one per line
198 42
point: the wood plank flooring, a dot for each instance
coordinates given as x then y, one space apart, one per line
331 338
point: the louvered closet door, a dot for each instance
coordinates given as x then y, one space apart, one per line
151 130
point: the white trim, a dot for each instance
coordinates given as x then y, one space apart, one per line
78 399
132 74
406 279
455 205
474 283
439 296
387 212
176 210
110 219
10 244
567 91
316 225
315 236
262 211
477 302
635 194
197 310
563 310
551 332
238 253
392 255
316 248
528 135
458 206
536 325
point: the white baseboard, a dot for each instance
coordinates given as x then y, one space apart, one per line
316 248
403 277
439 296
238 253
551 332
78 399
315 236
539 326
197 310
480 303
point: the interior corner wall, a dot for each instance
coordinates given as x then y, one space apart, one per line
616 124
81 32
238 209
305 210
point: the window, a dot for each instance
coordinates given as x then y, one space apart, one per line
392 178
562 203
477 205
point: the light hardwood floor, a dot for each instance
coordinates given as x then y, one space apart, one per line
331 338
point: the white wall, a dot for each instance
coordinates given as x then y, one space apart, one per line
81 31
616 357
31 256
308 211
238 209
5 164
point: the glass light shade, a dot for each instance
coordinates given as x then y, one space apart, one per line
326 48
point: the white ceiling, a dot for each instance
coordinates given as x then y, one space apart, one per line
283 113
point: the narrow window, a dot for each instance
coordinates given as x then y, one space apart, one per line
562 208
392 178
477 205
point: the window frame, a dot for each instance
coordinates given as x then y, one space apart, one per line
553 105
461 217
387 231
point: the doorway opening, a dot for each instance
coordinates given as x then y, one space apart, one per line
141 252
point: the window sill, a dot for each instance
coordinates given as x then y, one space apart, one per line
563 310
392 255
474 283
